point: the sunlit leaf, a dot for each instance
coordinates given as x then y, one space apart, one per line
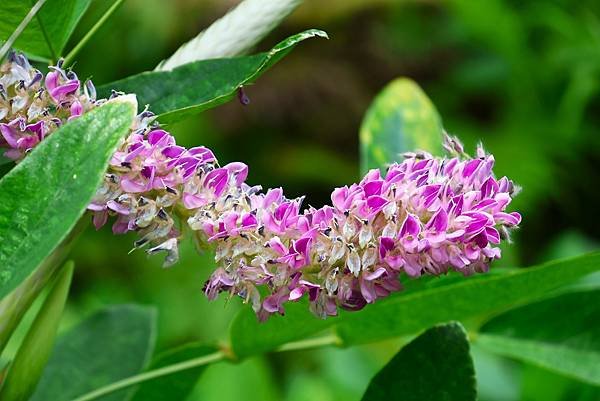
201 85
560 334
435 366
42 198
110 345
28 364
47 34
400 119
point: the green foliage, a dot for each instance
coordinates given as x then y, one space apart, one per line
114 343
458 298
541 384
560 334
5 160
15 305
42 198
47 34
400 119
416 308
477 59
252 379
201 85
435 366
250 337
27 366
176 386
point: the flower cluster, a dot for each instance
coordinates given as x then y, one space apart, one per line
150 181
425 215
32 107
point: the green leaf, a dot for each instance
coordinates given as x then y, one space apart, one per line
461 297
400 119
435 366
423 303
110 345
250 380
249 337
5 160
177 386
15 305
47 34
42 198
201 85
560 334
29 362
542 384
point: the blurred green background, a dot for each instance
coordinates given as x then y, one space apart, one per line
522 77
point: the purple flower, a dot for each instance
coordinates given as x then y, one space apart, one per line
425 216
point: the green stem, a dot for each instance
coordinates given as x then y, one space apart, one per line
69 58
152 374
311 343
193 363
8 44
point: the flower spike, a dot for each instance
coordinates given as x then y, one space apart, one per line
426 215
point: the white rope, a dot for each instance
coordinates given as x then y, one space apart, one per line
233 34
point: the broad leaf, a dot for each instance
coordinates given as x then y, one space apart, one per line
400 119
34 351
42 198
177 386
561 334
47 34
422 304
435 366
462 297
110 345
201 85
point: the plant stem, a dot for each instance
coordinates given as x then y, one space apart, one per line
310 343
69 57
193 363
7 45
152 374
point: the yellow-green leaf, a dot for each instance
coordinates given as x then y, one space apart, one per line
400 119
